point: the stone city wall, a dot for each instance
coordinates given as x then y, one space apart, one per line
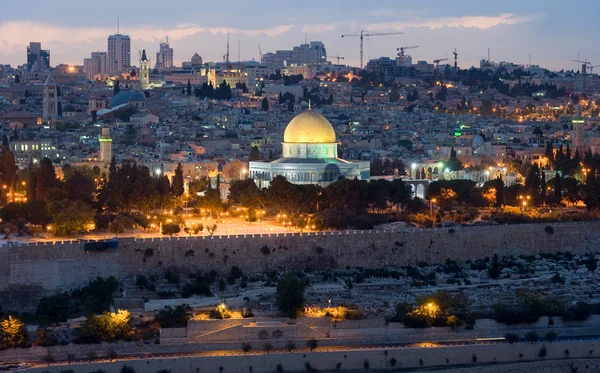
377 359
66 265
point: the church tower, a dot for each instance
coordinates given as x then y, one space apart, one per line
50 101
105 146
144 71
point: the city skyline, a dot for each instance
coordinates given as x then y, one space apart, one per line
71 31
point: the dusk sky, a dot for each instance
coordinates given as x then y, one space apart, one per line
551 30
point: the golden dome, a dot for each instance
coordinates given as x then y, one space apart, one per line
309 127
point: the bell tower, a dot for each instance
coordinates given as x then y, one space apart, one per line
50 101
144 71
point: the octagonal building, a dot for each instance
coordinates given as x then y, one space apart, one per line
309 155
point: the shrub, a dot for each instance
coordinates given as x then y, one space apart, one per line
246 347
290 346
550 336
279 368
127 369
543 352
48 359
366 364
265 250
548 229
173 317
474 358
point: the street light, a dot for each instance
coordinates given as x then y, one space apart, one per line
431 202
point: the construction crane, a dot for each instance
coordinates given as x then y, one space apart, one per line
402 49
338 57
592 69
584 65
437 62
362 35
260 53
455 60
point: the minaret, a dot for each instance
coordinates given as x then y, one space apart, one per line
144 71
105 146
50 102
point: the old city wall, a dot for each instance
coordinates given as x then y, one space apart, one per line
65 265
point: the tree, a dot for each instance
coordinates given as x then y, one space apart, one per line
268 346
177 185
551 336
290 294
394 95
265 104
117 226
366 364
495 268
511 337
543 352
453 163
127 369
107 327
246 347
170 229
173 317
255 154
189 88
312 344
290 346
211 229
72 216
53 309
116 88
71 358
531 336
48 359
46 178
13 333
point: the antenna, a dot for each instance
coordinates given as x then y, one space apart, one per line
305 39
489 55
530 60
239 59
118 25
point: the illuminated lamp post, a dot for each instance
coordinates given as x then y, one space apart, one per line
431 202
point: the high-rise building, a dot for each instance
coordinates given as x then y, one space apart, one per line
164 56
144 71
37 58
96 65
50 101
105 145
119 53
303 54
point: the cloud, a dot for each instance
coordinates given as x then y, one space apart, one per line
480 22
21 33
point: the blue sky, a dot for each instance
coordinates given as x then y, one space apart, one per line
551 31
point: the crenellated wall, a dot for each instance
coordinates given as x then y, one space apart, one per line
65 265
